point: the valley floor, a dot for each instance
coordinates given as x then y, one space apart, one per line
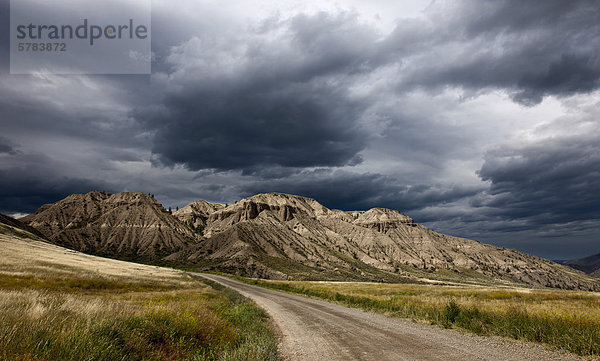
58 304
563 321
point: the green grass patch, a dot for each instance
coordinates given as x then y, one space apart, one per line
152 334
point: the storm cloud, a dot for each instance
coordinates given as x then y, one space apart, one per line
530 49
287 92
477 118
25 190
274 96
550 182
6 146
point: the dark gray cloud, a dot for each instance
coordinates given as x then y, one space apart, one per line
572 73
24 190
294 127
6 146
531 49
553 182
570 245
49 107
277 96
283 104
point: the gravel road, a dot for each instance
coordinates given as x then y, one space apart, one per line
317 330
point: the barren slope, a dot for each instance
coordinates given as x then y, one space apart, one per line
125 225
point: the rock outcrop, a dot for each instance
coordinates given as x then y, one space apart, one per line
196 214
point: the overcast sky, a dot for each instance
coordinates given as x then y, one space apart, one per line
476 118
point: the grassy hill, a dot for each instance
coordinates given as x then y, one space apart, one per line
59 304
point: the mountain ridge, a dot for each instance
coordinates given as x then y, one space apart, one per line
128 224
282 236
589 265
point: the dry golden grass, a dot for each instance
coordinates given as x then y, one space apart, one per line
57 304
558 303
568 320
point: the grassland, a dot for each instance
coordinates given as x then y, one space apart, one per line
57 304
566 320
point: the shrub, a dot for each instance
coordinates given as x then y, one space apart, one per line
451 312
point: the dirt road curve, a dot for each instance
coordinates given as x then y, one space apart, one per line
318 330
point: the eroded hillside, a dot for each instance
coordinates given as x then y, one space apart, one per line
281 236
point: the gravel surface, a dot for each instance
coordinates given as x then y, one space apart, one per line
318 330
